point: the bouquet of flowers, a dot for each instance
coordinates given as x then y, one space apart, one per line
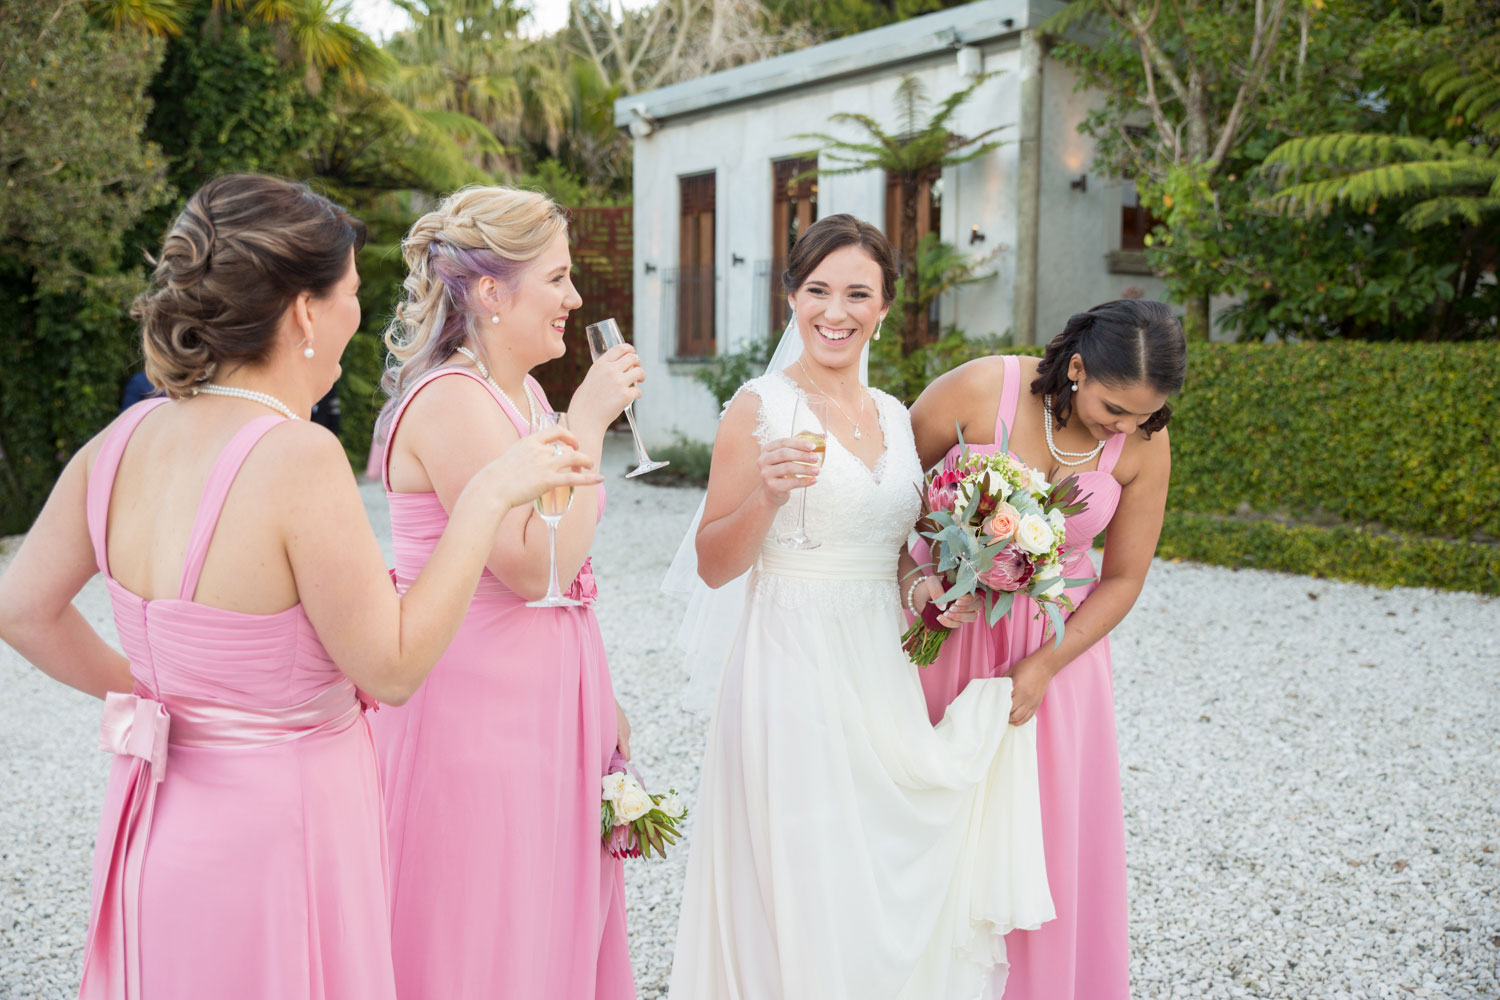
632 821
996 527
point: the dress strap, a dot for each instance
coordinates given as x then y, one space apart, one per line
1010 398
220 479
517 421
1111 453
102 477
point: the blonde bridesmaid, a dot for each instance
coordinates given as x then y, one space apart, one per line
502 888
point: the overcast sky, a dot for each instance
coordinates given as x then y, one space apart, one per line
380 18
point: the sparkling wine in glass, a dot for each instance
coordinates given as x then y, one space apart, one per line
807 409
602 336
552 505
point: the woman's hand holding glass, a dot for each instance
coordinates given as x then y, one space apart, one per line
788 464
547 460
611 384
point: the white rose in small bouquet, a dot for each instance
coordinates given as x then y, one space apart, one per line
614 784
632 804
671 806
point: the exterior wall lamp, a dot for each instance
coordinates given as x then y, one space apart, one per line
975 236
1080 184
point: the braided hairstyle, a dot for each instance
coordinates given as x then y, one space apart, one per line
1122 343
243 249
475 232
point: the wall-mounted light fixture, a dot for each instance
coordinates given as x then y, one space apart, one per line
975 236
641 123
736 260
1080 184
650 267
970 61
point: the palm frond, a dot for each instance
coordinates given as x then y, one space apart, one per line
161 18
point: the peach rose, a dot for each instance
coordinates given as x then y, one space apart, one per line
1002 524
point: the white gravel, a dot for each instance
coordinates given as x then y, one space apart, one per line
1311 795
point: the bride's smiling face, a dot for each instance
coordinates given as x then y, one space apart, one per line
839 307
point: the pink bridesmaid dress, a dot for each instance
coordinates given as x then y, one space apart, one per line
241 850
1084 953
501 888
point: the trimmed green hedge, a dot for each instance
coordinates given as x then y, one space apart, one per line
1338 552
1400 436
1374 462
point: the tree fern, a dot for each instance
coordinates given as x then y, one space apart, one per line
1447 181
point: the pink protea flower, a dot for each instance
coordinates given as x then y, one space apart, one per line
943 490
1011 571
622 842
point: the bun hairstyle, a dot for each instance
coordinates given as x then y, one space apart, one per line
243 249
1126 342
834 232
476 232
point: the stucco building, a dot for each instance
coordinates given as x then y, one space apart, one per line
718 200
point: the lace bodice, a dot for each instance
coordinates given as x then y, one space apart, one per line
852 505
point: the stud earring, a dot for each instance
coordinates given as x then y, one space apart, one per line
1075 386
494 317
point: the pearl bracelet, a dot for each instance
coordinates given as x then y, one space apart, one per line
910 593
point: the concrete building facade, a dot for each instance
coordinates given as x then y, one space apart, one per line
718 194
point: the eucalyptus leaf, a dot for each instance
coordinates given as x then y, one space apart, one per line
1001 607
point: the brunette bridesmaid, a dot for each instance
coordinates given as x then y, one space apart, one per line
241 850
1094 406
502 887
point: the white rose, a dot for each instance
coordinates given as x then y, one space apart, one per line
1034 535
1053 588
671 806
1050 570
1057 519
632 804
614 784
1037 482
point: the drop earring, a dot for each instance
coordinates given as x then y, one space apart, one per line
877 329
1075 386
307 352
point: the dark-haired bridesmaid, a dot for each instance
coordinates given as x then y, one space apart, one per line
1095 406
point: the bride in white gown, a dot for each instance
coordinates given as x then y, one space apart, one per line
843 848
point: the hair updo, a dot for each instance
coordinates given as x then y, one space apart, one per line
476 232
834 232
243 249
1122 343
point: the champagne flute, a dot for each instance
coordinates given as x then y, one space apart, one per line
602 336
816 408
552 505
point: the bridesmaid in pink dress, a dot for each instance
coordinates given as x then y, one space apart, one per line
501 887
241 850
1107 376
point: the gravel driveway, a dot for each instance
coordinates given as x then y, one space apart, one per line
1312 778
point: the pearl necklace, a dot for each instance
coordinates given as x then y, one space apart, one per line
531 405
1081 456
857 435
263 398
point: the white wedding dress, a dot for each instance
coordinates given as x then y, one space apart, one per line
843 848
